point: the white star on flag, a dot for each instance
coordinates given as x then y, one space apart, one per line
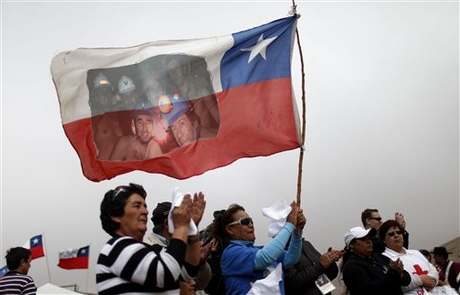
35 241
260 47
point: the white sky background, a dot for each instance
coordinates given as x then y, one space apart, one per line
383 115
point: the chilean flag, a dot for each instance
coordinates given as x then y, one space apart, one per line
35 244
74 258
179 108
3 271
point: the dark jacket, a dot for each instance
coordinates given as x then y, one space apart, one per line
372 275
379 246
300 279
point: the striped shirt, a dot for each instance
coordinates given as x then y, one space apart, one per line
15 283
127 266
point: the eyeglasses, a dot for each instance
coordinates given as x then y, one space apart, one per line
376 218
243 221
391 234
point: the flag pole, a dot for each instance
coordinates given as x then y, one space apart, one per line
47 261
87 270
302 142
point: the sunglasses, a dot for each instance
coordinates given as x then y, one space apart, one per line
243 221
376 218
391 234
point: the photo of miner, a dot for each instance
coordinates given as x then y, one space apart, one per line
144 110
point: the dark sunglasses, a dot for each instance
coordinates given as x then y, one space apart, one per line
391 234
243 221
376 218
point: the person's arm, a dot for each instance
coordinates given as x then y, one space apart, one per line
274 249
145 265
293 253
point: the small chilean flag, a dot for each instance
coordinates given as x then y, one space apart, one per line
3 271
74 258
35 244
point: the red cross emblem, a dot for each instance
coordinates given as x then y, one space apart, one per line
419 270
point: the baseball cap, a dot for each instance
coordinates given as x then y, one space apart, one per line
357 233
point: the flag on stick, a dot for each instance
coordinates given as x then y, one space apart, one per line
35 244
74 258
179 108
3 271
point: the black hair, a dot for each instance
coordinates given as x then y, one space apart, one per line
367 214
114 203
425 253
385 227
15 256
159 215
221 220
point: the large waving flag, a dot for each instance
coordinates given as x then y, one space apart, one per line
74 258
35 244
179 108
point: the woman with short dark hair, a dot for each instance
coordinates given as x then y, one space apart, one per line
423 274
126 264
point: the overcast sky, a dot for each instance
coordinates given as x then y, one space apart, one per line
382 116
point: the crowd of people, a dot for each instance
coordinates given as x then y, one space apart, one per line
222 258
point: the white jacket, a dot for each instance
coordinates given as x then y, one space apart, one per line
415 264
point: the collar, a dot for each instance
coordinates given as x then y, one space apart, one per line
161 238
242 242
393 253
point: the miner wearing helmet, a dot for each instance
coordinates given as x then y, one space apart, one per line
141 144
183 123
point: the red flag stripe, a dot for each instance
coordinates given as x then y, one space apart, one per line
74 263
255 120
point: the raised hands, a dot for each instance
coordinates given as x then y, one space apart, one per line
330 257
181 215
301 220
399 217
293 215
198 205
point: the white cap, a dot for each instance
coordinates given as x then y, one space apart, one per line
355 233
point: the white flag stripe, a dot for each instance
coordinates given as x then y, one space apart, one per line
69 69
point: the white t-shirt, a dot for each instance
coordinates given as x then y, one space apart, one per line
415 264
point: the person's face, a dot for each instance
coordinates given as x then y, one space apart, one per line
133 223
25 265
374 221
184 130
239 231
363 246
439 260
144 127
394 239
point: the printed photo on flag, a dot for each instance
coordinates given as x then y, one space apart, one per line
179 108
144 110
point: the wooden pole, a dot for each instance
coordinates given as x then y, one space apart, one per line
302 141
